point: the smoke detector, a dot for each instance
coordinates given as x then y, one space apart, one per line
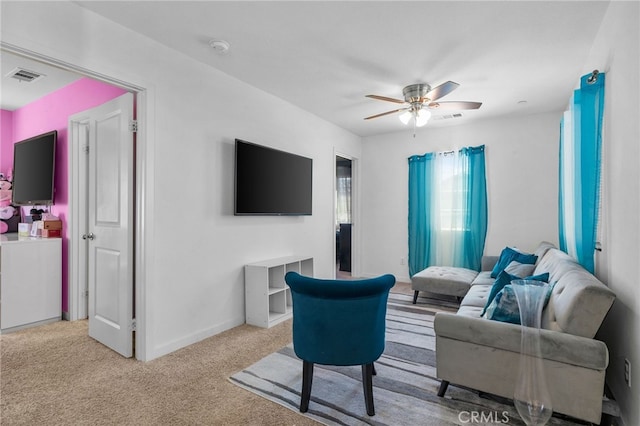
220 46
22 74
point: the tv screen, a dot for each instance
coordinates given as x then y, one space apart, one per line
34 169
271 182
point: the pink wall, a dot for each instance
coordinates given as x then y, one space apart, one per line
6 140
52 113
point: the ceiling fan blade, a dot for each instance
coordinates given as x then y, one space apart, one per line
454 105
441 90
384 98
386 113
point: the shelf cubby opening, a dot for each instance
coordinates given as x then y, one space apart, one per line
277 303
306 267
276 276
293 267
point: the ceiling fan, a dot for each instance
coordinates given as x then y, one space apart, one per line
420 99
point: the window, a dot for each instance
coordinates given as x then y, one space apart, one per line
447 209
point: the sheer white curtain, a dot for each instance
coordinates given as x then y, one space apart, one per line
343 195
567 180
448 187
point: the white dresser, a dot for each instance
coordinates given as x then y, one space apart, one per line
30 281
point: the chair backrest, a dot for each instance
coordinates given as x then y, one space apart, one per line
339 322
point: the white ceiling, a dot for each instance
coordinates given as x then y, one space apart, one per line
16 93
325 56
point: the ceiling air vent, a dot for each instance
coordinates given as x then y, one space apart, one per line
22 74
447 116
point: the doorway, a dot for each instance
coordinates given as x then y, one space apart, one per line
343 217
142 187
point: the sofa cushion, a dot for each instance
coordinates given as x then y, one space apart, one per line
508 255
483 278
470 311
477 296
542 249
557 263
579 302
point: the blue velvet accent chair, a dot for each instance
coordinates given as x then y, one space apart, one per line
339 322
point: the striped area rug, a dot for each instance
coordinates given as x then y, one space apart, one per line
405 387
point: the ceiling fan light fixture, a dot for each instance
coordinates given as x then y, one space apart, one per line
406 116
422 116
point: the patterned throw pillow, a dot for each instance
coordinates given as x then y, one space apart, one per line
504 279
504 306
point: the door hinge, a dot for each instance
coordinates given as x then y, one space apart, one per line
133 126
85 149
133 325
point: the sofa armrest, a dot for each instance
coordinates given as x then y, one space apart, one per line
561 347
488 262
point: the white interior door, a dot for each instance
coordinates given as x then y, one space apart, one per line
110 224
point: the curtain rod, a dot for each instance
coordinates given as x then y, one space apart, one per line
593 77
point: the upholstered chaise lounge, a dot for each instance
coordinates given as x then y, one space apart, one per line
484 354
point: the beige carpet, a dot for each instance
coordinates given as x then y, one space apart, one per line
55 374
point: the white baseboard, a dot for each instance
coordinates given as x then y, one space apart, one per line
183 342
399 278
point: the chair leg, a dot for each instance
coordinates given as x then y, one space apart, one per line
415 296
443 387
367 385
307 381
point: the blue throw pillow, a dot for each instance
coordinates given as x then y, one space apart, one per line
504 306
507 256
505 278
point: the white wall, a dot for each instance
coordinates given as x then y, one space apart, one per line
195 248
194 284
522 173
616 51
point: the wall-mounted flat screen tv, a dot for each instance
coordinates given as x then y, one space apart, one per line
34 170
271 182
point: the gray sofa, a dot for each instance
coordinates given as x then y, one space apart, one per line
484 354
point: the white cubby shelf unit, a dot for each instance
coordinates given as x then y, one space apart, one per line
267 297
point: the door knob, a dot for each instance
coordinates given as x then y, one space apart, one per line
89 236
